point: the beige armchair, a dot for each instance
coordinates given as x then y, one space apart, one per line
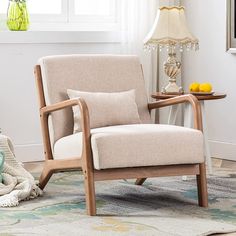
137 151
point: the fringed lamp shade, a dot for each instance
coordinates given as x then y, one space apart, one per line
170 30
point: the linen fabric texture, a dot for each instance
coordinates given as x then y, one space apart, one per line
136 145
119 146
93 73
106 109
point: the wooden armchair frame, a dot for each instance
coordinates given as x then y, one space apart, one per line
85 162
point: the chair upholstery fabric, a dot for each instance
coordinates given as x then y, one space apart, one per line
106 109
136 145
91 73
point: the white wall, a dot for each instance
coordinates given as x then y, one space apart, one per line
19 117
213 64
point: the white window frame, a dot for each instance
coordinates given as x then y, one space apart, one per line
63 17
68 15
69 21
50 28
112 18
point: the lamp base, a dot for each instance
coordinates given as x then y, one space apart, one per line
172 68
172 88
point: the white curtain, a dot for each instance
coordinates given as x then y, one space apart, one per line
137 17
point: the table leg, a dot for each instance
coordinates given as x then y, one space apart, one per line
188 116
173 114
206 143
188 122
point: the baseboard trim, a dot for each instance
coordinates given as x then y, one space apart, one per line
223 150
29 152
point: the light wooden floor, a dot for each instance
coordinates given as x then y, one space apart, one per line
220 167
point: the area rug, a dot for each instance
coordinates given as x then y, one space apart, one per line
162 207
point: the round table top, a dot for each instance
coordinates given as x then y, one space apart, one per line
160 95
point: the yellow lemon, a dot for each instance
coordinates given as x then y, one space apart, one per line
206 88
194 87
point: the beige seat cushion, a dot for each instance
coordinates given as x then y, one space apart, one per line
136 145
106 109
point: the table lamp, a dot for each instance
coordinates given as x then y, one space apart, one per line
170 30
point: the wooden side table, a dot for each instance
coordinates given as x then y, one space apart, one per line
188 117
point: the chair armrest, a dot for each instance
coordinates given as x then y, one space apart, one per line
85 124
182 99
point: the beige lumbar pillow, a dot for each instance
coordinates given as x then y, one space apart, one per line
106 109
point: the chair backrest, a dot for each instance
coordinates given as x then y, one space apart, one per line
94 73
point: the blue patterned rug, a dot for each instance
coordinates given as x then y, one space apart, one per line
162 206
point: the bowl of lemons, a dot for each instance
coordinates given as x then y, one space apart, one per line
201 89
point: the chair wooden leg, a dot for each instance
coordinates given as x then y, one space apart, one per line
202 186
90 193
45 176
140 181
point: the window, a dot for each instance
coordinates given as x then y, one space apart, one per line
37 6
70 14
92 7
